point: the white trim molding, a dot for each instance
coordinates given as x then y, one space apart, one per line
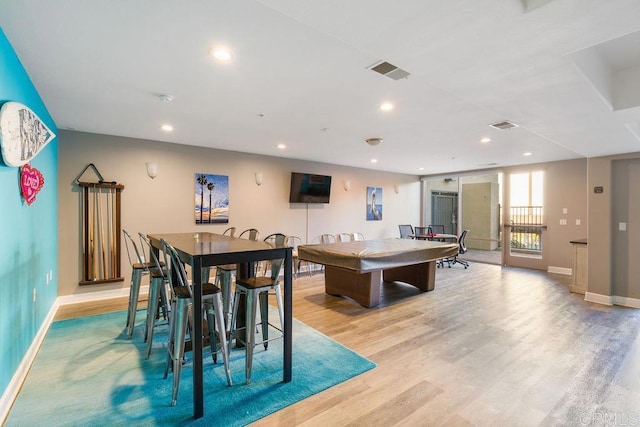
626 301
612 300
598 298
560 270
13 388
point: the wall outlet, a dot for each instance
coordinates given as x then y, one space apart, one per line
565 211
34 295
578 222
563 222
622 226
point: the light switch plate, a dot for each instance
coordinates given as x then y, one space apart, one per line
622 226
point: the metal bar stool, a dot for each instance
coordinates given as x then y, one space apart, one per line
224 272
256 290
139 268
181 314
158 294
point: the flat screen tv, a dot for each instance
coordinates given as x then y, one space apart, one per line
309 188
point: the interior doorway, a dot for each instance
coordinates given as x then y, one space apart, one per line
524 223
444 210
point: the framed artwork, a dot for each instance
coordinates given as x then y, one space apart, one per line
374 204
211 199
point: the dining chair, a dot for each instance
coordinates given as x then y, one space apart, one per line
406 231
231 231
139 267
158 294
181 319
344 237
256 290
356 237
294 242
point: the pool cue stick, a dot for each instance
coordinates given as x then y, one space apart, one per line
101 232
108 219
91 225
85 235
112 234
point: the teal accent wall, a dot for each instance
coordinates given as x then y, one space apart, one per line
28 234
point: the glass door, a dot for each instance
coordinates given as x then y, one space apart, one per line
524 221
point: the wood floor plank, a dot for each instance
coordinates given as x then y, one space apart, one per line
489 346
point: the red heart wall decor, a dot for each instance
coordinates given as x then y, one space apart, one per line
31 181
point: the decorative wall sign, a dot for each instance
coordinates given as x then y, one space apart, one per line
374 204
212 199
31 182
22 134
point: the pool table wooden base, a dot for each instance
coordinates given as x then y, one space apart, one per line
364 288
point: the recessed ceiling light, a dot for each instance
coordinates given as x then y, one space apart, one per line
527 153
166 128
374 160
220 54
420 168
485 140
282 146
387 106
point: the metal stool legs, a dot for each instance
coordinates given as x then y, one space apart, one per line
134 294
254 296
223 281
180 315
157 293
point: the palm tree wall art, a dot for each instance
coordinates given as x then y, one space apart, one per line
216 211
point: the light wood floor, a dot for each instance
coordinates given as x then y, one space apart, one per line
489 346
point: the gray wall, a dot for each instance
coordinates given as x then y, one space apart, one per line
166 203
613 254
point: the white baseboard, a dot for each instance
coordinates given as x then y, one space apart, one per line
97 296
560 270
626 302
598 299
13 388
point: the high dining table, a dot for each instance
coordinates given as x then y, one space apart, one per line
208 249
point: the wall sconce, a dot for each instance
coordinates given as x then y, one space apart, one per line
259 178
396 188
346 185
152 169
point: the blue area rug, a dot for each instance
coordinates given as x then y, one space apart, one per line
88 373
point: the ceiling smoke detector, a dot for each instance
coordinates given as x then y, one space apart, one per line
373 141
504 125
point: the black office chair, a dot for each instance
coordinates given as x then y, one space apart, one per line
462 248
437 229
406 231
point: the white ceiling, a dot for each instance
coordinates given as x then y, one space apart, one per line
300 76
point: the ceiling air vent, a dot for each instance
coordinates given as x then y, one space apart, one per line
390 71
504 125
